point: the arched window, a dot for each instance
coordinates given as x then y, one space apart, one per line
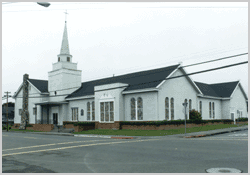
139 108
210 110
88 111
58 59
201 108
93 110
81 112
190 105
132 103
172 108
213 110
166 108
68 59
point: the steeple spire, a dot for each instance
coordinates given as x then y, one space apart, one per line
65 42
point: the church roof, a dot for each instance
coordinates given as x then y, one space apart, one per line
41 85
137 80
217 90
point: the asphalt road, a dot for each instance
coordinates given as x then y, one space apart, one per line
33 153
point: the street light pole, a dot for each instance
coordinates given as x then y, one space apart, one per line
7 109
185 106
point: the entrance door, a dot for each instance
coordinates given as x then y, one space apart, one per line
55 119
232 117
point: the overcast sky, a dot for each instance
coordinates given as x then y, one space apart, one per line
118 38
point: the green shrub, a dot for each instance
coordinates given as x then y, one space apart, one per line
194 115
29 125
242 119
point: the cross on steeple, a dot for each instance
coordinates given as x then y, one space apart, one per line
66 16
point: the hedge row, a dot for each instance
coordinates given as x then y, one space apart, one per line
242 119
174 122
158 123
80 123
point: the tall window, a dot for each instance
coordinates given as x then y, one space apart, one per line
166 108
190 105
136 108
172 108
139 108
111 111
93 110
88 111
133 108
82 112
107 111
74 114
58 59
210 110
213 110
201 108
68 59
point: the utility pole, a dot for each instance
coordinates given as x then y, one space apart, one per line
185 106
7 108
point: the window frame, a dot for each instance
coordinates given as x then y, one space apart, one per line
213 110
172 108
190 105
77 116
200 107
210 110
136 109
167 117
103 101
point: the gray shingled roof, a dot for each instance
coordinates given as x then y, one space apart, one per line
138 80
41 85
217 90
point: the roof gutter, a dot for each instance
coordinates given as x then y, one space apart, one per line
141 90
79 98
211 97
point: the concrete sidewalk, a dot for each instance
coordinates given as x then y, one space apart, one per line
212 132
187 135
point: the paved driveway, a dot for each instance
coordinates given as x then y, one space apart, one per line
25 152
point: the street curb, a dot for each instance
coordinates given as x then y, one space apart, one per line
61 134
122 137
221 132
92 136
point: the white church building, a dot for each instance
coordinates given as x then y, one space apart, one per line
139 96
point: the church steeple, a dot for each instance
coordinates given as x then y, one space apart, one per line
64 55
65 42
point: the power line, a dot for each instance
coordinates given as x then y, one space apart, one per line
208 70
215 60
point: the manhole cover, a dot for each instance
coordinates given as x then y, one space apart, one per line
223 170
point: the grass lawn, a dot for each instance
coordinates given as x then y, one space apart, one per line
155 132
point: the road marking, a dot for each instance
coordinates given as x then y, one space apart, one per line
219 139
49 145
78 146
30 137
